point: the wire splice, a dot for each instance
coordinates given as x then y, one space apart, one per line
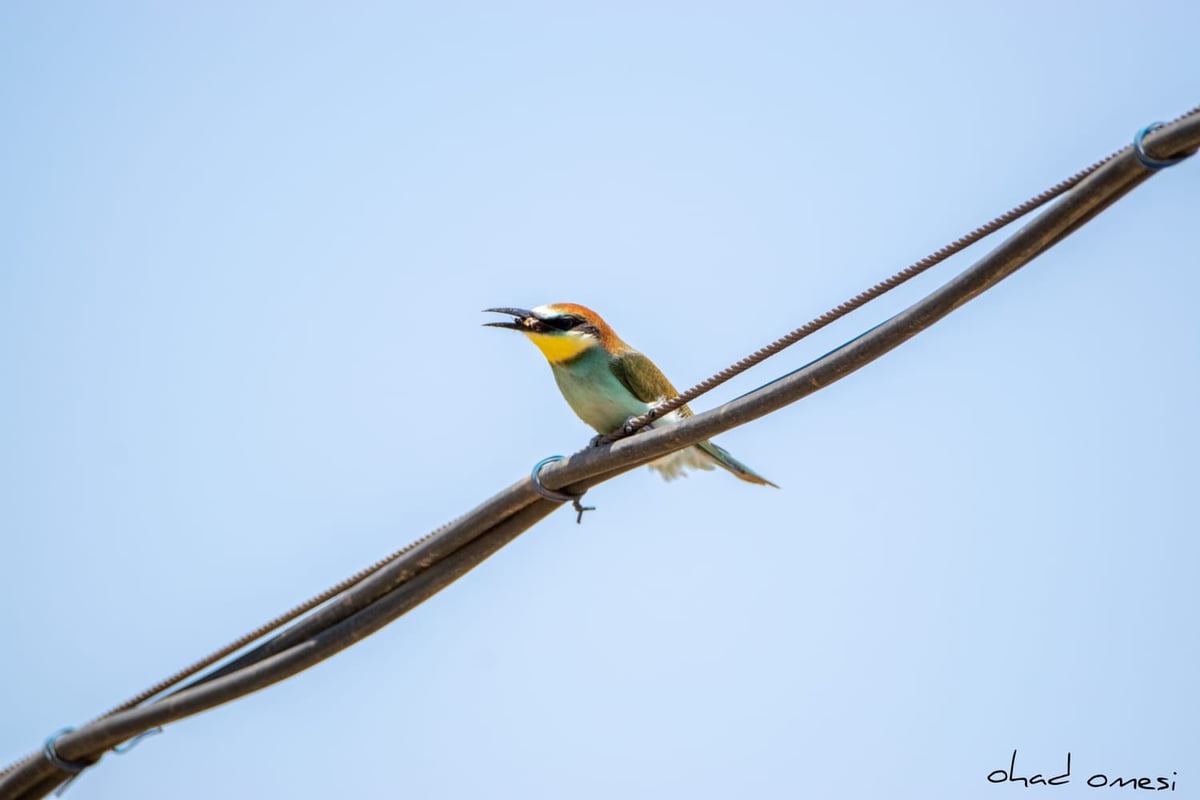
558 497
1145 159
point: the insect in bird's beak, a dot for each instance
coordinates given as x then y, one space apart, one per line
525 319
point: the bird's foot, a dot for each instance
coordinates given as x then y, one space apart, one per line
628 429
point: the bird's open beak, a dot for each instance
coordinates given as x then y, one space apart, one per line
523 322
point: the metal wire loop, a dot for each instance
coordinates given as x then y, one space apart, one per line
73 768
1145 159
558 497
60 763
549 494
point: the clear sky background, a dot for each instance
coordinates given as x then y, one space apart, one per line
243 252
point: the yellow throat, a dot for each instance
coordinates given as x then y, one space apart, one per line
558 347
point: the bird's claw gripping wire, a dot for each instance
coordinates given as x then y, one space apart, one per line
559 497
628 428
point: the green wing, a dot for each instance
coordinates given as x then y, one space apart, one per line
644 380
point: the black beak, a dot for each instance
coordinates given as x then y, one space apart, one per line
523 317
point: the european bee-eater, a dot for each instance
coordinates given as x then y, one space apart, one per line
606 381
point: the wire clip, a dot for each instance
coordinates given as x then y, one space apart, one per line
60 763
1145 159
72 768
558 497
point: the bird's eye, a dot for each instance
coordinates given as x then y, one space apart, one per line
563 323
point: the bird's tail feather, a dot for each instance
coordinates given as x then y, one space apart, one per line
722 458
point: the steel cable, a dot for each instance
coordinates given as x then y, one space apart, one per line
397 583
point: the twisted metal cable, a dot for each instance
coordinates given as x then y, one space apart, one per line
858 301
929 310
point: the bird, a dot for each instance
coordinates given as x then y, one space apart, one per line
606 382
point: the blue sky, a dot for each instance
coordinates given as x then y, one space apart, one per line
242 257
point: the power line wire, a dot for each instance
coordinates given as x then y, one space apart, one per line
378 595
